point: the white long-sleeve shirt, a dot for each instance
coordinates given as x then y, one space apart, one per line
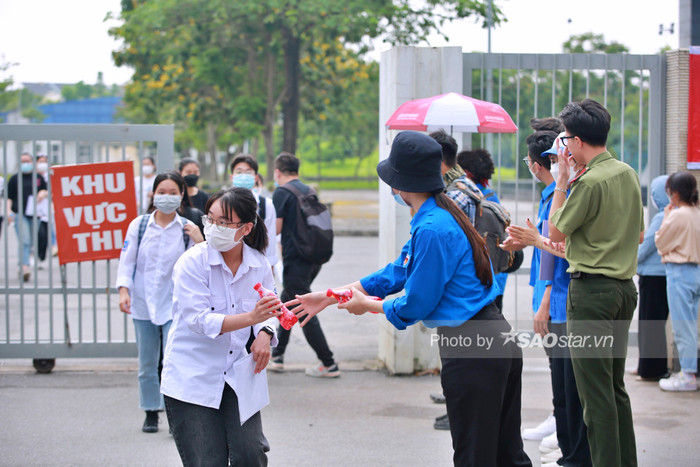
271 225
199 359
146 269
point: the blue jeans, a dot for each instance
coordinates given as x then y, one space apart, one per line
215 437
23 227
150 339
683 291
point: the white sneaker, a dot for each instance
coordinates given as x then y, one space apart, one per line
551 456
542 430
549 464
549 443
276 364
680 381
323 371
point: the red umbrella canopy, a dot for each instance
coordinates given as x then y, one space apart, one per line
451 112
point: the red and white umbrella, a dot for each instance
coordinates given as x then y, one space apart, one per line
451 112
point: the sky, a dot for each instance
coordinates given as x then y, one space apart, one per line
67 41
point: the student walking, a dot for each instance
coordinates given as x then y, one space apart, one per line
190 171
297 273
214 307
152 245
244 173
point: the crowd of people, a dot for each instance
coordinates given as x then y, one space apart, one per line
191 261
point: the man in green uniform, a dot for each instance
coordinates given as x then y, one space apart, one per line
602 223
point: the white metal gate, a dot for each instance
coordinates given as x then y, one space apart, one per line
69 311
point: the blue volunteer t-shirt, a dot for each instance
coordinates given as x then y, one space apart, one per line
436 271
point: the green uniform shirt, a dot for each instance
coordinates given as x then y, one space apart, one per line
602 219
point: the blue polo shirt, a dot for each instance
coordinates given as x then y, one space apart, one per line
560 278
436 271
560 289
539 286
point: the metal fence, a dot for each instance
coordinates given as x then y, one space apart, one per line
631 87
70 310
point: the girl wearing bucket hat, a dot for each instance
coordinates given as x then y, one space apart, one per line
447 278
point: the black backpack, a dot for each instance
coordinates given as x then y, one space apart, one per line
490 220
313 235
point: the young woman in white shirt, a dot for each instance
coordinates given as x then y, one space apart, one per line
244 173
144 280
214 308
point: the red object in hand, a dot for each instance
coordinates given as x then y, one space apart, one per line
287 318
344 295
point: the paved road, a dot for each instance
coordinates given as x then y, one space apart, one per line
86 413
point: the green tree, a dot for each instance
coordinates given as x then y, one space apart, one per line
399 21
238 62
590 42
18 99
80 90
208 65
340 113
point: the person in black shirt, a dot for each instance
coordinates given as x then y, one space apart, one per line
29 183
297 273
189 169
187 208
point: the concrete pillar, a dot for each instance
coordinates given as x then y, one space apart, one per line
677 64
407 73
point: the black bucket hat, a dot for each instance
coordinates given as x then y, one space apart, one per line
413 164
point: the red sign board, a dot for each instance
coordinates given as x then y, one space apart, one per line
93 206
694 110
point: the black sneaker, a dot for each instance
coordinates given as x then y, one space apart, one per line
438 398
150 425
442 423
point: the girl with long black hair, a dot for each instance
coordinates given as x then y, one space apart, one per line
447 278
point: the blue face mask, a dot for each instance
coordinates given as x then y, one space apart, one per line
26 167
243 181
399 200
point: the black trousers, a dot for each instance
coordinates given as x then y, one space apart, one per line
215 437
297 277
568 412
653 312
43 240
483 392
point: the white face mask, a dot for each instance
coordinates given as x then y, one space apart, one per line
167 204
554 170
147 170
42 167
531 172
221 240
